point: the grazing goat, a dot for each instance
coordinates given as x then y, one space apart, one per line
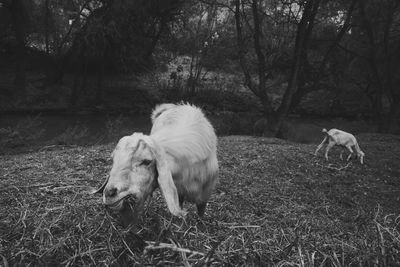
340 138
179 156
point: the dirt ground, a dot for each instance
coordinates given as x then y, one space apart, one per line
275 204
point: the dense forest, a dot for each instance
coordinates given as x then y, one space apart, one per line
273 57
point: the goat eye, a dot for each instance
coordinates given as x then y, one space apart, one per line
145 162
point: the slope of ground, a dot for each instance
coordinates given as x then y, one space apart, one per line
275 204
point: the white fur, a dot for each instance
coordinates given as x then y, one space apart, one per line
340 138
160 109
190 144
182 149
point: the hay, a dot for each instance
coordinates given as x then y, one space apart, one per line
276 204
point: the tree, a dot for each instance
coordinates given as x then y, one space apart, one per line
119 36
314 74
20 22
202 35
303 35
374 44
308 10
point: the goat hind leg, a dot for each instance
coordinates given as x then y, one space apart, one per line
341 153
351 153
319 146
328 147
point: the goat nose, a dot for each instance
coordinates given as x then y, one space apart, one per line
111 192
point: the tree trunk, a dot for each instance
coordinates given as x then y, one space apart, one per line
299 94
394 113
241 49
372 61
46 26
257 46
302 89
258 89
302 38
19 21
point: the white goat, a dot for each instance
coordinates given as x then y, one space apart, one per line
179 155
343 139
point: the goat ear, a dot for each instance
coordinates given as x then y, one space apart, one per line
101 189
167 184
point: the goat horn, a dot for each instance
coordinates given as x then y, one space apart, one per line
101 189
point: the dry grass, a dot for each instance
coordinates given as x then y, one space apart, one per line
275 204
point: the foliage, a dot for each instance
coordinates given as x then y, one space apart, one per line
375 68
285 49
211 99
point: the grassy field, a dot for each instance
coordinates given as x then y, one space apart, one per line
276 204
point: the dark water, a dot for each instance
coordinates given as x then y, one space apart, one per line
55 125
22 132
50 128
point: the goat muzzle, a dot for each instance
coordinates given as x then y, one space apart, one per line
118 205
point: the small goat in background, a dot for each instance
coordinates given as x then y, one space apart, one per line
343 139
179 156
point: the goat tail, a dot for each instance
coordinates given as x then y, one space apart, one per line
327 135
160 109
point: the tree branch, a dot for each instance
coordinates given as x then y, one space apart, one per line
241 52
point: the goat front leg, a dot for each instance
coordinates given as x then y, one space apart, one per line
351 152
328 147
319 146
